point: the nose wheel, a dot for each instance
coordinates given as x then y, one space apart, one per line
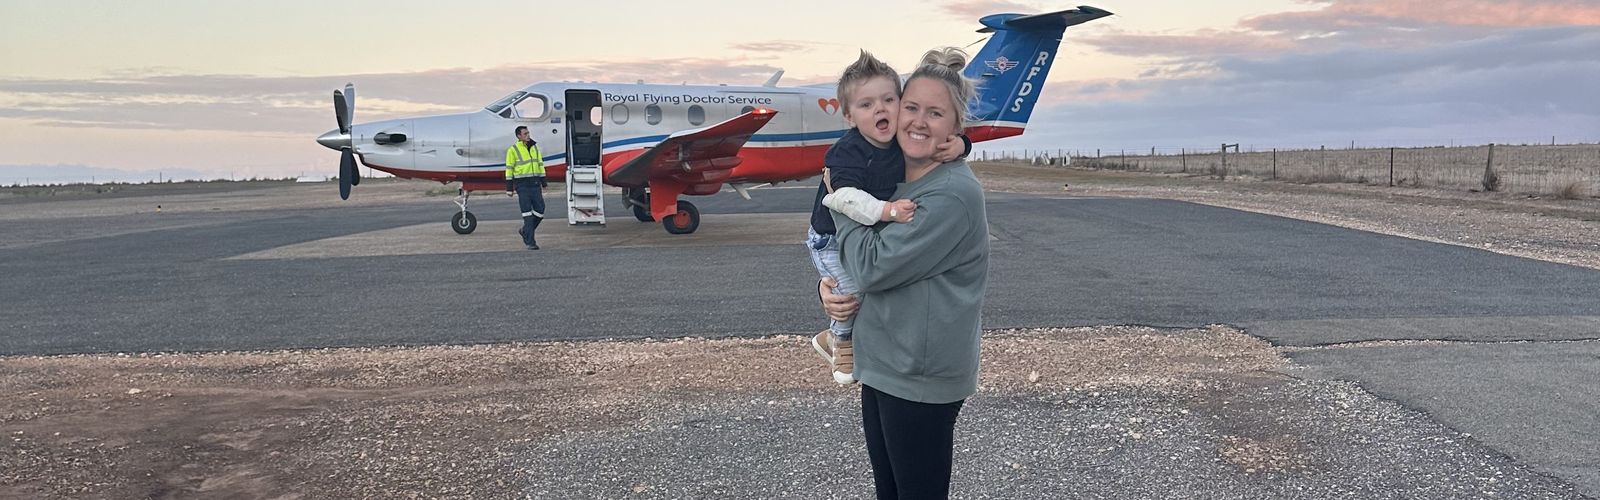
463 222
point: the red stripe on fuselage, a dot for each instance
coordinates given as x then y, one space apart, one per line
774 164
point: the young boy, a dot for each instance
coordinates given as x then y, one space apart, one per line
862 170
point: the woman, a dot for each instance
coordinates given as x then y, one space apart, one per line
921 286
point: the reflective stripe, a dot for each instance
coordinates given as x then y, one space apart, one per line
522 161
533 214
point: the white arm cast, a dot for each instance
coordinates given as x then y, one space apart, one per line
855 204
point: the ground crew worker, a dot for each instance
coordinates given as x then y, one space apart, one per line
525 177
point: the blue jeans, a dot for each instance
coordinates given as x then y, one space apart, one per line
825 256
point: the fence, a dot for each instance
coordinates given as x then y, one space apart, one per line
1570 170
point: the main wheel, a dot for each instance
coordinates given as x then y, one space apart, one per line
685 221
643 214
464 222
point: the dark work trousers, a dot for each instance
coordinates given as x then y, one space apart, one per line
910 445
531 201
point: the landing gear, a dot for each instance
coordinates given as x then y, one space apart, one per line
685 221
463 222
639 202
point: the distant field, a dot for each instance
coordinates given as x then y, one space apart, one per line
71 191
1571 170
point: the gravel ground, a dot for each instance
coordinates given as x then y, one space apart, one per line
1549 229
1111 412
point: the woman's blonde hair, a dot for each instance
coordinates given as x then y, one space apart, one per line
944 65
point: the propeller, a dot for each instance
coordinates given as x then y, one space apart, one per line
344 112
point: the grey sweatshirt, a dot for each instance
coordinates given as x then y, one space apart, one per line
921 289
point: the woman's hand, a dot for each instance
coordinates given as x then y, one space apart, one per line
950 149
838 307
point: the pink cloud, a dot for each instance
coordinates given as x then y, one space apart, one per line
1197 44
1342 14
970 10
778 46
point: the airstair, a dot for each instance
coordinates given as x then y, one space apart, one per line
585 195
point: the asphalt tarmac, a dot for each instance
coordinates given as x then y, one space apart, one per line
1507 372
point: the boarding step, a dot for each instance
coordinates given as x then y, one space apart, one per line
585 195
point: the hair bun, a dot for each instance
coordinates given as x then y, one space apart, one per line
949 57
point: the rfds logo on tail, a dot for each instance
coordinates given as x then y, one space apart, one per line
1027 82
1002 64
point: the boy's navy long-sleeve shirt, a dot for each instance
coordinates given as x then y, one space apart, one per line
854 162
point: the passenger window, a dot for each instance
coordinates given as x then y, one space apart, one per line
594 116
652 114
747 109
697 115
619 114
532 107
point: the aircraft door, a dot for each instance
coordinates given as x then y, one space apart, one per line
584 126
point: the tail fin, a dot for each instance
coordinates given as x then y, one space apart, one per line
1011 68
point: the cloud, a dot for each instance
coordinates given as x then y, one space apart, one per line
1514 84
304 104
1347 14
969 10
779 46
1200 44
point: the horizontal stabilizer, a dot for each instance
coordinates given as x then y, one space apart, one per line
1053 21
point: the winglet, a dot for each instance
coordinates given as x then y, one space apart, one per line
773 82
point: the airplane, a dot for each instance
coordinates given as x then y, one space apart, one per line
661 142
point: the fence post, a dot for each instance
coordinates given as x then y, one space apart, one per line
1391 167
1224 158
1274 163
1183 159
1491 182
1322 161
1096 152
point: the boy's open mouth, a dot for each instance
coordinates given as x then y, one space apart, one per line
882 125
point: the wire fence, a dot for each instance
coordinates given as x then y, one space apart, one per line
1566 170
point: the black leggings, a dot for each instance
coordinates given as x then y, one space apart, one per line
910 444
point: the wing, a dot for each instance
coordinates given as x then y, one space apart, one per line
692 156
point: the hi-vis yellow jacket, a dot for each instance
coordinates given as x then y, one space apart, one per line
523 161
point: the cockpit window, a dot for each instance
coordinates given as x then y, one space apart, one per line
521 105
505 102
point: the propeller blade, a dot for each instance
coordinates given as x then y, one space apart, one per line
341 111
355 175
347 171
350 103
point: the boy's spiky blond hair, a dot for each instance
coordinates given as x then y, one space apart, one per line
865 68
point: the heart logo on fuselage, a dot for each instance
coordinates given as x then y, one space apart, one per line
829 106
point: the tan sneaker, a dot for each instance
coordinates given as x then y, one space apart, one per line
823 343
844 361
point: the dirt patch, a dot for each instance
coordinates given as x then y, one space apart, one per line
446 421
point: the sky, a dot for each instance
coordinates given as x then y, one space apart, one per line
206 89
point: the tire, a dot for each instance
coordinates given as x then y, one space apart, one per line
464 222
685 221
643 214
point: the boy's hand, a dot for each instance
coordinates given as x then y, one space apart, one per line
900 210
950 149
